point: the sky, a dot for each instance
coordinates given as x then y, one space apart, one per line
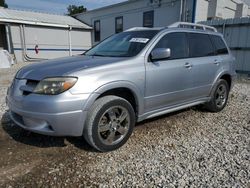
57 6
60 6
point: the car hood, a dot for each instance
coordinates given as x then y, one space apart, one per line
63 66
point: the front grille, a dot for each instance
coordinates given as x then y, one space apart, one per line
32 83
17 117
29 87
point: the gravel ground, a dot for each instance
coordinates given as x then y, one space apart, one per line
189 148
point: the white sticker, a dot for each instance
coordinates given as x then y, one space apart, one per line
140 40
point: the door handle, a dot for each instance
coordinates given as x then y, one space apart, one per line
188 65
216 62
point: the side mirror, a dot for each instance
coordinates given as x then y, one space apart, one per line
160 53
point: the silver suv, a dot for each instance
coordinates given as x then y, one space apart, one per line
129 77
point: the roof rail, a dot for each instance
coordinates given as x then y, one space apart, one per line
135 28
192 26
143 28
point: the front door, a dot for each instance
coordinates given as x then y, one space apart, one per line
169 81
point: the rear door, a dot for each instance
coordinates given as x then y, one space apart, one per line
205 63
221 50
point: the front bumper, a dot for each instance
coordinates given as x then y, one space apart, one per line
61 115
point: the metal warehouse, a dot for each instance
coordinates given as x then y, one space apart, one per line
33 36
237 34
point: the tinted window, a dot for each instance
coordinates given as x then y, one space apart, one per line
148 19
219 45
118 24
176 42
200 45
125 44
97 30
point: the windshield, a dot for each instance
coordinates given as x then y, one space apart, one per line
126 44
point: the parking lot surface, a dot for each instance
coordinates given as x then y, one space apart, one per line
190 148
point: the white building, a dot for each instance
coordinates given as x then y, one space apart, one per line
33 36
135 13
157 13
220 9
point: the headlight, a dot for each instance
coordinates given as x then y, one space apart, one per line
55 86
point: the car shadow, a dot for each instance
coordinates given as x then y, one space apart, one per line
195 108
29 138
81 143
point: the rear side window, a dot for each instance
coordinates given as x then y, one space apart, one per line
219 44
176 42
200 45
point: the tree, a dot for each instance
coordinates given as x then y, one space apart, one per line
3 4
73 9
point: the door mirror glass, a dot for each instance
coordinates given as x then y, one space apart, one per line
160 53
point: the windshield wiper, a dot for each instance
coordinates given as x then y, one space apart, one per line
102 55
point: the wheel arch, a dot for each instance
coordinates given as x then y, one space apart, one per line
223 75
228 78
123 89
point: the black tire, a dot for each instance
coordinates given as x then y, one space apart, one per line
214 105
105 110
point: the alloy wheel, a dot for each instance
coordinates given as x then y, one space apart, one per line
113 125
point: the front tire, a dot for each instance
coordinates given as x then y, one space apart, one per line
109 124
219 97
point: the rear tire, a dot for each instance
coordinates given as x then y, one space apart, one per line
109 124
219 97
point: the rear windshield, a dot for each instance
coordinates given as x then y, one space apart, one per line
126 44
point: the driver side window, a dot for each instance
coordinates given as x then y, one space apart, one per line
177 43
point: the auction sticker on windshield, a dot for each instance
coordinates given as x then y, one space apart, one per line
140 40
